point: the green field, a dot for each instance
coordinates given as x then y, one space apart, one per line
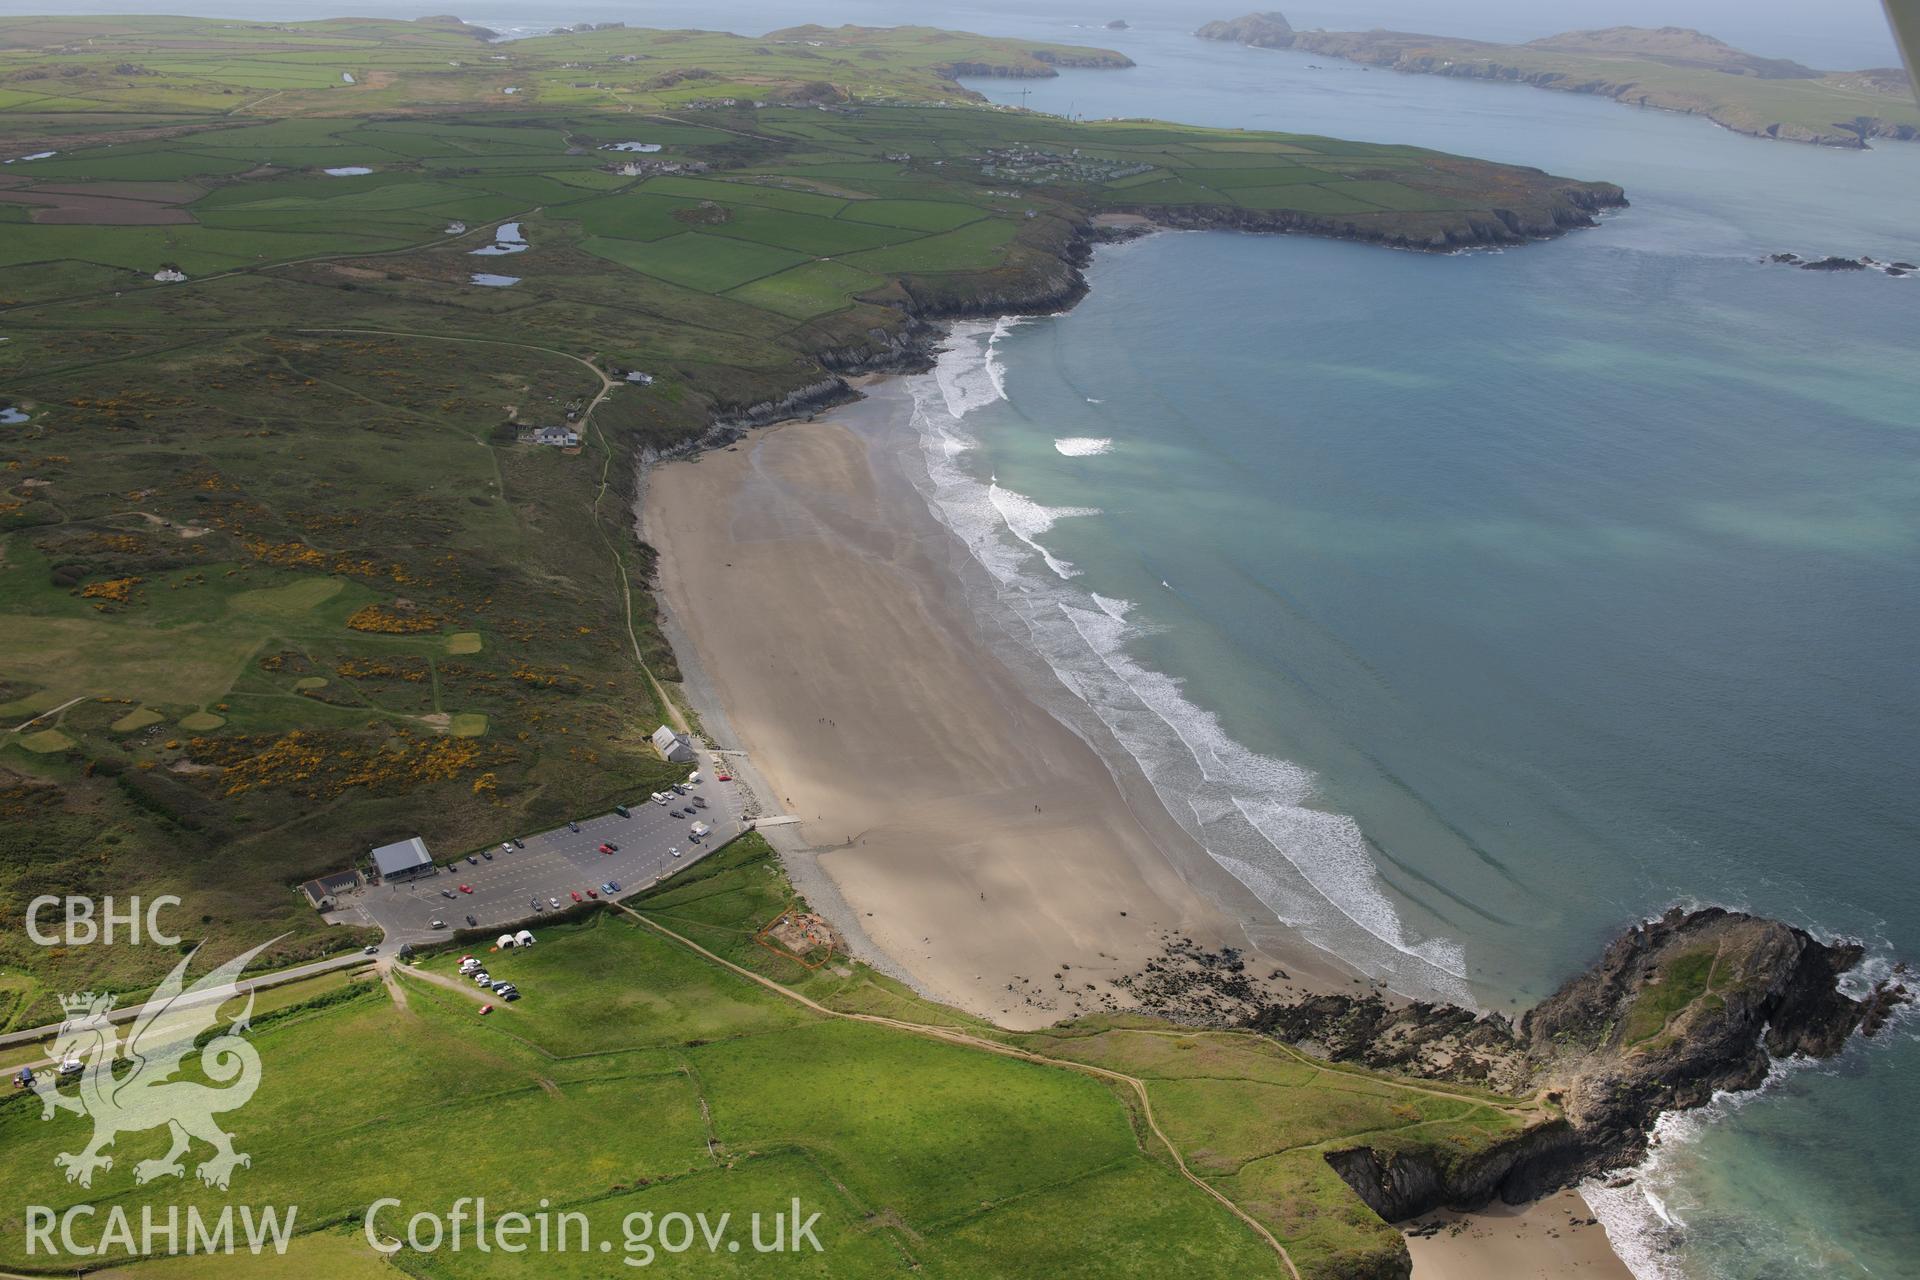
682 1084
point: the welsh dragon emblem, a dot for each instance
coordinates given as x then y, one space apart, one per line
143 1093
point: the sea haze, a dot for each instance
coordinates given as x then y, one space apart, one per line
1470 608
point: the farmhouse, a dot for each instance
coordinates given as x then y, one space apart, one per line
170 275
557 437
675 747
403 860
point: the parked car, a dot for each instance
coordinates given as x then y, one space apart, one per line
594 894
466 888
509 995
517 843
723 777
481 979
611 886
371 949
660 798
475 861
471 922
554 903
701 801
534 903
675 813
623 811
607 847
436 924
679 788
576 895
446 893
485 1009
506 846
501 985
574 827
675 851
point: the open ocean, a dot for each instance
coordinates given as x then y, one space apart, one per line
1471 608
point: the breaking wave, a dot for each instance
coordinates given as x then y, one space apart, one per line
1083 446
1254 814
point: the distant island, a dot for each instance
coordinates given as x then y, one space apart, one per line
1672 68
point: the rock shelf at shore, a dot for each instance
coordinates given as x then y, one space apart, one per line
1676 1010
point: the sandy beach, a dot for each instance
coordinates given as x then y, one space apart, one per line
980 844
971 843
1549 1239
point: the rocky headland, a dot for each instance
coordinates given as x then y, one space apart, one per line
1675 1010
1670 68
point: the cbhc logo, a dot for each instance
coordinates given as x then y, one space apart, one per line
88 922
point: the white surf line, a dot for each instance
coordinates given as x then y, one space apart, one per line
55 711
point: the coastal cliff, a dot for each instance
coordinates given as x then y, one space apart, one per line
1668 68
1543 214
1676 1010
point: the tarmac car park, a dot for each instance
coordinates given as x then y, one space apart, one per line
552 867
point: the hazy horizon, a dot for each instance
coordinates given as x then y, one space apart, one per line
1848 36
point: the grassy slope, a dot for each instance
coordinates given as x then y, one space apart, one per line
680 1083
223 482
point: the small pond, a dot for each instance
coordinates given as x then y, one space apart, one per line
507 239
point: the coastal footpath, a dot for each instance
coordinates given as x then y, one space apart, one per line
1671 68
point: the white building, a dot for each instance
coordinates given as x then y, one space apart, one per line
676 747
170 275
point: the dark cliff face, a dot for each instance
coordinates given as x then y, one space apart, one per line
1681 1008
1675 1011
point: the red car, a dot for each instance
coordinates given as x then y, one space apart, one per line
576 895
485 1009
591 893
466 888
606 848
723 777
